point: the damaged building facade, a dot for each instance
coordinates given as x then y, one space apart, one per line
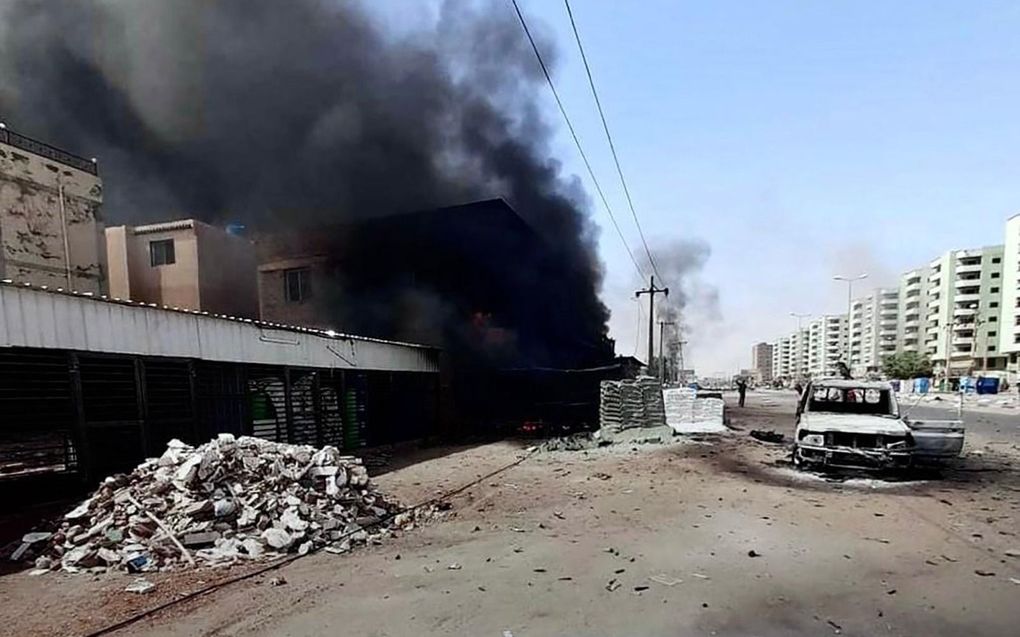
51 226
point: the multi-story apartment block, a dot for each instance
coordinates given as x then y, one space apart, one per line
913 302
964 308
863 326
873 329
1009 317
761 361
826 345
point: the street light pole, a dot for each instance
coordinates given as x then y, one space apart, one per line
849 305
800 328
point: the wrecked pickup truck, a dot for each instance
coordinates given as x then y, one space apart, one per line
857 424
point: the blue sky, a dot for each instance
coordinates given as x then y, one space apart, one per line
798 139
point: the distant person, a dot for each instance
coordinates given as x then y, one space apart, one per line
742 389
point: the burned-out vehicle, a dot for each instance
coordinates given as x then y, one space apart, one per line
857 424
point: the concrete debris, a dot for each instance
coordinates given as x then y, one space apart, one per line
140 585
766 435
228 501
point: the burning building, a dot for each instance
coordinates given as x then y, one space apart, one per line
314 118
475 279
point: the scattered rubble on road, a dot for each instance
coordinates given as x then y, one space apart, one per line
227 501
767 435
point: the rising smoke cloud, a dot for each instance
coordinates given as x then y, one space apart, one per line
692 304
281 114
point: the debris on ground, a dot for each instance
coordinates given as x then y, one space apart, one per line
227 501
665 580
279 580
767 435
575 442
140 585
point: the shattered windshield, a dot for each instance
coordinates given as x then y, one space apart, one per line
850 400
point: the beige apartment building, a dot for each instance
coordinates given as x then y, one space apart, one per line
874 322
761 361
184 264
964 309
51 227
911 329
1009 321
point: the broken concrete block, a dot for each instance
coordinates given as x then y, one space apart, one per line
109 556
140 585
200 538
277 538
39 536
20 552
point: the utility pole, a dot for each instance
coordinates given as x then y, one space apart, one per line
662 343
651 292
680 360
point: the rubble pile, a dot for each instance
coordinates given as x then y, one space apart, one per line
631 403
227 501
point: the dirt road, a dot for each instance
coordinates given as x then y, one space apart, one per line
709 537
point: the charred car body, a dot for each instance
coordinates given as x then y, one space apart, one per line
857 424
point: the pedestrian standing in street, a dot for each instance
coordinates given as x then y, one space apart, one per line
742 389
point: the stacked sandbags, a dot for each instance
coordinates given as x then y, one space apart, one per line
631 403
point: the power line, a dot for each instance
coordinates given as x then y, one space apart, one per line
577 142
612 146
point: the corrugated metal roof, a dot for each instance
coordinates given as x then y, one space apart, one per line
249 321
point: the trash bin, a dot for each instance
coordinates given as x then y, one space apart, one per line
988 385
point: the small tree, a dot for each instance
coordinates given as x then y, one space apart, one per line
906 365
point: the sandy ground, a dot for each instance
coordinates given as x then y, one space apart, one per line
668 528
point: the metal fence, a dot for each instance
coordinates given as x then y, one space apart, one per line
45 150
87 415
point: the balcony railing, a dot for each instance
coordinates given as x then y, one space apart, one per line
49 152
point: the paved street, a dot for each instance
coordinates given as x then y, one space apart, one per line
655 540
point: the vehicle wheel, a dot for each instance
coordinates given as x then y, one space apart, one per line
797 462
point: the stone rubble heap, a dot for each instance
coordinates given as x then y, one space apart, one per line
227 501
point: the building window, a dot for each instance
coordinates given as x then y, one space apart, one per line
996 275
161 252
991 348
994 290
996 259
991 334
992 319
297 285
993 304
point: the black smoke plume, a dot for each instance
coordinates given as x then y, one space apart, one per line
299 113
692 304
